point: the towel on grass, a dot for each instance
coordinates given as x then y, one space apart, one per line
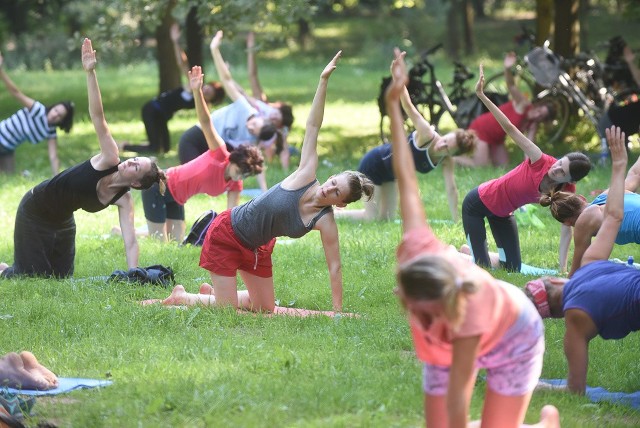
597 394
66 384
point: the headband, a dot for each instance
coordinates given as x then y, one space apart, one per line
540 299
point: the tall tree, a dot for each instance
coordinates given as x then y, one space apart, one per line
567 27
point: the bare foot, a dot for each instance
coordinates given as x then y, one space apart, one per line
177 297
549 417
464 249
206 288
33 366
150 302
3 266
14 375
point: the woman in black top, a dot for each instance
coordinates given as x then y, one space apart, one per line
44 234
157 112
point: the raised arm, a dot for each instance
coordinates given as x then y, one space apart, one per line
181 56
411 208
12 88
214 141
309 155
517 97
532 151
108 155
252 65
230 85
613 214
423 128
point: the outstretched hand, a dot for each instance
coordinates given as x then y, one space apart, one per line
617 145
480 84
399 77
510 59
88 56
195 78
331 66
216 41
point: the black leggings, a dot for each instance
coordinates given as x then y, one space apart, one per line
192 144
41 248
504 230
157 127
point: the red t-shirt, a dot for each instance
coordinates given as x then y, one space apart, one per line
489 130
518 187
489 313
204 174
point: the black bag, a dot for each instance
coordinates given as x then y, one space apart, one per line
199 229
154 275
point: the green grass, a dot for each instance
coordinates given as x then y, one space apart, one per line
205 367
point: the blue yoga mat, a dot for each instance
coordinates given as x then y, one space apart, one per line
251 193
66 384
526 269
597 394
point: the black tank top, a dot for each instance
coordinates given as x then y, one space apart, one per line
56 199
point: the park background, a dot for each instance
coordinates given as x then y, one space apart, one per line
207 367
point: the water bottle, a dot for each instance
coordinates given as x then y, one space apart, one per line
630 261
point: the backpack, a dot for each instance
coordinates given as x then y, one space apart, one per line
199 229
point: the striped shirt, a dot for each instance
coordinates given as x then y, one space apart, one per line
25 125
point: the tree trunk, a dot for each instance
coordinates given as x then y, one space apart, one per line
469 45
567 27
170 73
304 32
478 8
453 29
585 7
194 36
544 20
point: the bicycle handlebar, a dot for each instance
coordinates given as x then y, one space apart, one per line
430 51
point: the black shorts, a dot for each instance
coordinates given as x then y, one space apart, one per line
158 208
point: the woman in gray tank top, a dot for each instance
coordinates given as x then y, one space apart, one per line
241 240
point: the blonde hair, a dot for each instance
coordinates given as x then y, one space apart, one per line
434 278
359 184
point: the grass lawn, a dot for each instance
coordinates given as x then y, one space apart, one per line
202 367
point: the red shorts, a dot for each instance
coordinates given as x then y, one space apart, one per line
223 253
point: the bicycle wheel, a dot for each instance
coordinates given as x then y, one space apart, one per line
552 131
524 82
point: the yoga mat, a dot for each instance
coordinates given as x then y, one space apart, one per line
251 193
526 269
597 394
66 384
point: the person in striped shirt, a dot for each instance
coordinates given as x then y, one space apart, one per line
33 123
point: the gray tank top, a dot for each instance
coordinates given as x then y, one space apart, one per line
272 214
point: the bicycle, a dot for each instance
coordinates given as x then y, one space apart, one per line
433 101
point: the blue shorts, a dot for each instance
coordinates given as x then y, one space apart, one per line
158 208
513 366
376 164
